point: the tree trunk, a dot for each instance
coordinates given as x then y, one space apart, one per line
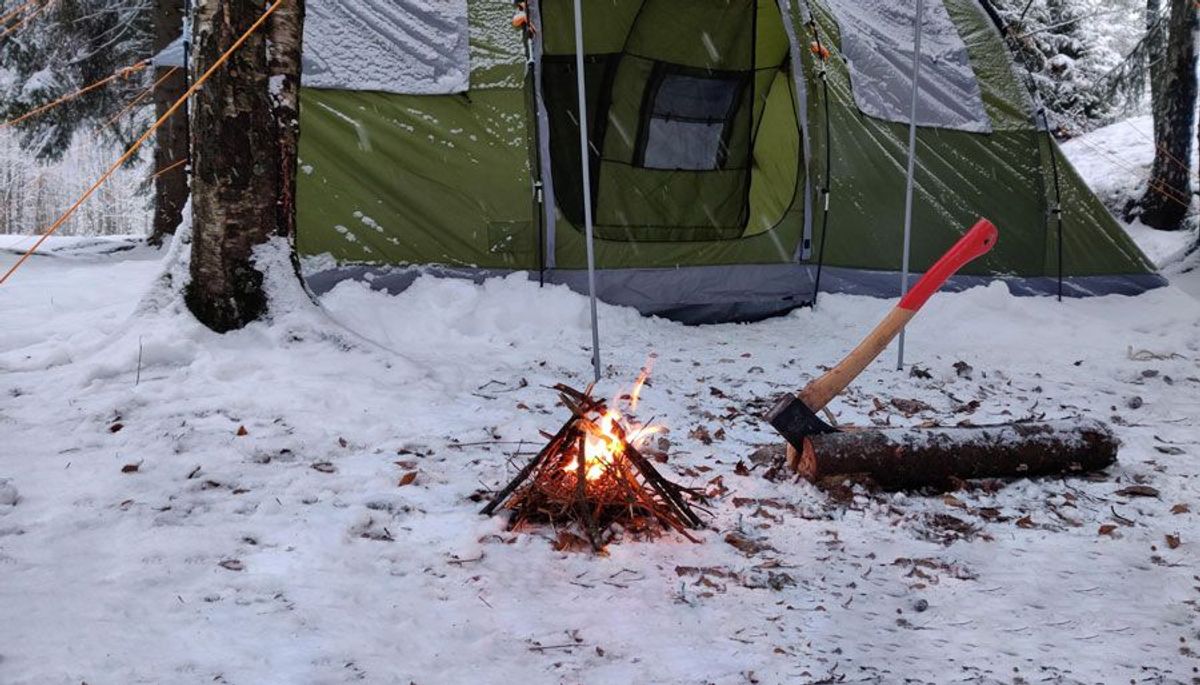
1169 193
286 34
240 163
171 141
916 457
1156 53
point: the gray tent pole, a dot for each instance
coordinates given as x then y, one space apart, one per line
585 168
912 161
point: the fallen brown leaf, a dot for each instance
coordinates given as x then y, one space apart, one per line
1137 491
701 433
1173 541
130 468
242 432
991 514
746 544
1107 529
716 487
910 407
407 479
1180 508
570 542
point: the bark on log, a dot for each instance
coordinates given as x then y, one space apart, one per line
915 457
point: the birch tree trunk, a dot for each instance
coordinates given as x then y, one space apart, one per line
240 154
171 142
1169 194
286 35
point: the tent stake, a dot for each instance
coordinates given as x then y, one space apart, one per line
912 159
585 169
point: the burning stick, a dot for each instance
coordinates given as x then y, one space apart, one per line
591 475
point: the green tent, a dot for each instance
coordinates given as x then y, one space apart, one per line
738 148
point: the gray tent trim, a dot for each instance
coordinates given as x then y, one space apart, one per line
804 248
735 293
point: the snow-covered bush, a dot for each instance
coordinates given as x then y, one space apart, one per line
1068 46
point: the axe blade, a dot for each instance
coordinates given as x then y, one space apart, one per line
795 421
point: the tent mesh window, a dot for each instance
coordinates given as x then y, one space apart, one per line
689 120
677 94
561 100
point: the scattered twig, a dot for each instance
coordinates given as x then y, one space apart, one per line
542 648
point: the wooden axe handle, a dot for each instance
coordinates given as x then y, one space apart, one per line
976 243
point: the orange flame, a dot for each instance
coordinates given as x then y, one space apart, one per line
606 436
635 394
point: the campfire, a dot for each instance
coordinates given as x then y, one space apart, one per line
591 476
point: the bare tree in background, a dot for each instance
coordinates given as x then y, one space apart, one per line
244 132
171 141
1169 193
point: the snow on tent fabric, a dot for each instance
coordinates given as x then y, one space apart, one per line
708 131
877 37
414 48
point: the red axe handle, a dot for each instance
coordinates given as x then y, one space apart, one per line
976 243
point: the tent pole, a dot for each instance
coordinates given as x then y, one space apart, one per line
585 169
912 160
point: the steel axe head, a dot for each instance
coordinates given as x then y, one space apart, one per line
795 421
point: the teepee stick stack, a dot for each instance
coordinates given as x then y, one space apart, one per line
569 485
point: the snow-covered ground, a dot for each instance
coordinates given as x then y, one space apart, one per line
178 506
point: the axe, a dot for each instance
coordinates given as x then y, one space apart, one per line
795 415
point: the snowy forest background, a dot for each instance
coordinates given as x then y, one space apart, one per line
1089 59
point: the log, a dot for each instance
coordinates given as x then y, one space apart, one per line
915 457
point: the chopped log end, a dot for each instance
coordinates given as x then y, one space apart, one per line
806 463
793 457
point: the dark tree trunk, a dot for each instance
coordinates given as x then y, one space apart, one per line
1157 52
242 158
916 457
1169 194
171 142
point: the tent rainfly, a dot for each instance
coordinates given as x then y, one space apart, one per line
723 135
